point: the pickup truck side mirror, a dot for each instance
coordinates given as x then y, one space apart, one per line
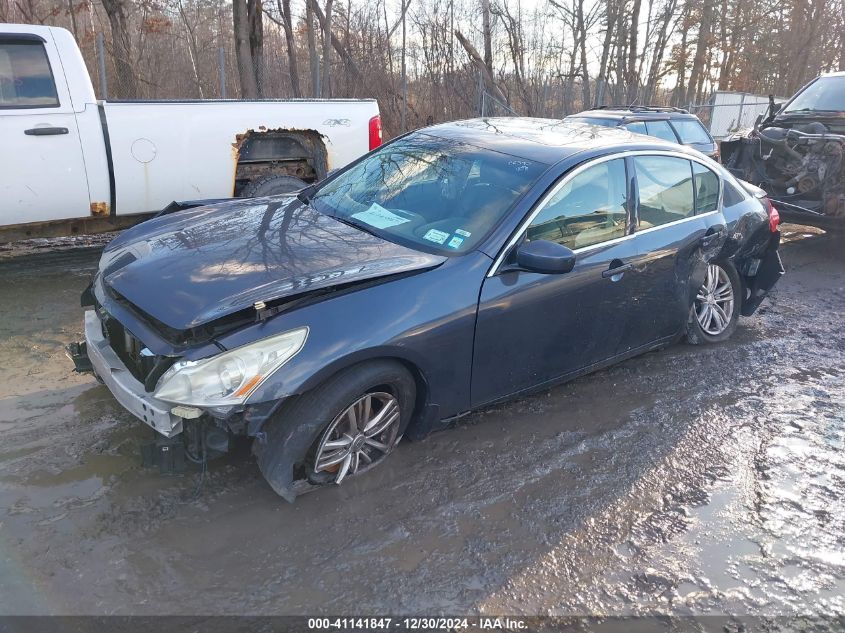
543 256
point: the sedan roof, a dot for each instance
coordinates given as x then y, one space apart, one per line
544 140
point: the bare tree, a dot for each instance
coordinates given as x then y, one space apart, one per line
533 60
127 86
475 58
244 23
487 35
698 62
842 37
327 49
313 59
290 42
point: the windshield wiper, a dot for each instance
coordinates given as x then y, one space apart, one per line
304 196
360 227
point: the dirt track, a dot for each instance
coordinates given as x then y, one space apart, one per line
692 480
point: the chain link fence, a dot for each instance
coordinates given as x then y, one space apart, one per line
729 112
191 78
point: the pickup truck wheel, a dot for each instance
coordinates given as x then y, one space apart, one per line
359 416
715 312
272 186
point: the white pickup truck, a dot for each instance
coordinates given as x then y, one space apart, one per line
72 164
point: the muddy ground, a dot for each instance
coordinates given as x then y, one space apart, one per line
691 480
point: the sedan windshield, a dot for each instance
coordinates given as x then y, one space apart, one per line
430 192
825 94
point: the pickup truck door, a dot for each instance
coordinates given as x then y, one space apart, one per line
42 171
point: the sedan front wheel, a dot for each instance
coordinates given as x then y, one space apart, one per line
358 438
715 311
345 426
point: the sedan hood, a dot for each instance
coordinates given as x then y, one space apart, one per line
196 266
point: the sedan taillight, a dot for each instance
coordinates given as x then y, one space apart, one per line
375 132
774 216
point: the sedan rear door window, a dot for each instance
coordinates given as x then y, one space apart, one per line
588 209
706 189
665 190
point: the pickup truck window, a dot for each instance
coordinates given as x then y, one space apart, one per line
427 192
26 80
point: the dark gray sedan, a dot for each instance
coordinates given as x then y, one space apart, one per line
454 267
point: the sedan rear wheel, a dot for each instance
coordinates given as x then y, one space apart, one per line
715 311
714 303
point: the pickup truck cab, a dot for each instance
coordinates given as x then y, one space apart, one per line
74 164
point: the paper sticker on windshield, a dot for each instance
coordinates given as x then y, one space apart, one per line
379 217
436 236
462 232
456 241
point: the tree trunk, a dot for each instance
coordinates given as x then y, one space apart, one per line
632 81
475 58
313 59
243 50
601 82
681 68
487 32
327 50
621 47
72 11
659 51
190 35
700 51
842 38
290 41
255 10
585 71
344 54
127 82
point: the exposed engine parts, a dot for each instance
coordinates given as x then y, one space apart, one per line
801 166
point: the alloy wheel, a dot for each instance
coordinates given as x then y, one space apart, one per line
359 437
714 303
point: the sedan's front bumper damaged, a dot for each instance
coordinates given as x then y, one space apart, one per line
123 385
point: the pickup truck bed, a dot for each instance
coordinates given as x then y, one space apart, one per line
75 164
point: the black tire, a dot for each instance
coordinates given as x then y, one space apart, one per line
695 333
272 185
318 408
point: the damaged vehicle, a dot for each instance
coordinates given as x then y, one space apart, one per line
796 153
454 267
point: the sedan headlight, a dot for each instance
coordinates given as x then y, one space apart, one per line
229 378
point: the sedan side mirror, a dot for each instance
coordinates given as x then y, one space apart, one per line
543 256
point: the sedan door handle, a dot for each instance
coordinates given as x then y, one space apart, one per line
711 237
616 270
45 131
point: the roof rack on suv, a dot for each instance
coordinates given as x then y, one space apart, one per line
643 108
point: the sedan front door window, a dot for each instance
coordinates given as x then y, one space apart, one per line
534 327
